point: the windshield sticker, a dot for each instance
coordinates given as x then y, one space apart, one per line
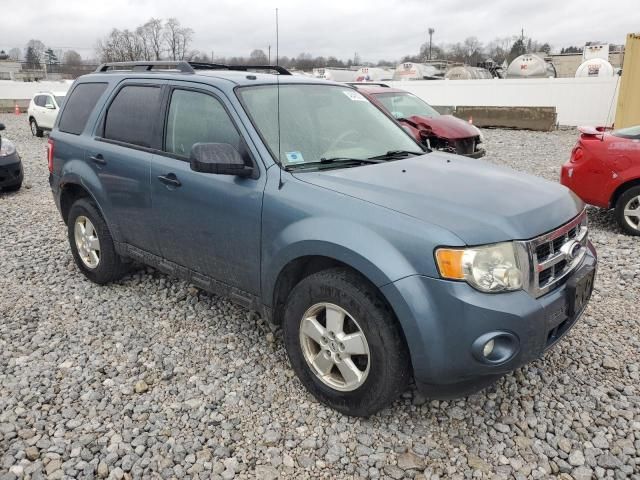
294 157
354 96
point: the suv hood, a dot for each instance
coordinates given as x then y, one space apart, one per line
475 200
445 126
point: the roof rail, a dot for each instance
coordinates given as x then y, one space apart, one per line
368 84
240 68
184 67
180 66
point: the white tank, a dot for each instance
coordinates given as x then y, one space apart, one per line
335 74
465 72
416 71
596 67
374 74
530 65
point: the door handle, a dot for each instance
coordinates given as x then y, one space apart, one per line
170 179
98 158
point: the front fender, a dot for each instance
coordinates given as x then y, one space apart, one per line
353 244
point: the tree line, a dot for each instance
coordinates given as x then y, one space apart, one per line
159 39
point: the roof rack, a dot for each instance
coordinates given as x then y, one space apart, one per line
184 67
368 84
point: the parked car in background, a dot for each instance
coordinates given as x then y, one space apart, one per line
301 200
441 132
43 110
11 173
604 170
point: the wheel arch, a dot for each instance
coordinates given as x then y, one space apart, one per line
634 182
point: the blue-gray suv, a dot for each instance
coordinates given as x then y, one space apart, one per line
301 200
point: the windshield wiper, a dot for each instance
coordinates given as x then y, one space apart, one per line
335 161
392 154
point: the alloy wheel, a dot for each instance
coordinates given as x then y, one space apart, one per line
335 347
632 213
87 242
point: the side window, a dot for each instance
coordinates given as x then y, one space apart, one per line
131 115
48 101
196 117
39 100
79 106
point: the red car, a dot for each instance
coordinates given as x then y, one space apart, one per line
604 170
441 132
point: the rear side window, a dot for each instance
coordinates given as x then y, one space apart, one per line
79 106
131 115
39 100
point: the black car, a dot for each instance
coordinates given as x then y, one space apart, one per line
11 173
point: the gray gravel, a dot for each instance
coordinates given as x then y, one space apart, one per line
150 377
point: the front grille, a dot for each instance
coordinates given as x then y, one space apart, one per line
556 254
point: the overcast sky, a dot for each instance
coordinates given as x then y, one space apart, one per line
376 29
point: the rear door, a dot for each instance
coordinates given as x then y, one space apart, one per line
209 223
120 156
49 112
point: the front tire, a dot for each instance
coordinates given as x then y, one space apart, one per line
344 343
628 211
36 131
13 188
91 244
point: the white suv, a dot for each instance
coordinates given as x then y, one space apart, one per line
43 110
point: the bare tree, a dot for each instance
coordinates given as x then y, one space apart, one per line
153 32
14 54
258 57
178 39
37 49
71 57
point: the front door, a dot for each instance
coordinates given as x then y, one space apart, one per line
206 222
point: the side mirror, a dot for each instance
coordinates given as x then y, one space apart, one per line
218 158
1 126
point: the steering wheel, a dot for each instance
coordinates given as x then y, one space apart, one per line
340 138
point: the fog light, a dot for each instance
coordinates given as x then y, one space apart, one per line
488 348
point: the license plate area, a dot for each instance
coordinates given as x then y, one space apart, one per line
579 289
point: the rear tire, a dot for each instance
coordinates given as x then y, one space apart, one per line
35 130
629 202
91 244
377 370
13 188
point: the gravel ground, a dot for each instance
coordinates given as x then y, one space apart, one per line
151 378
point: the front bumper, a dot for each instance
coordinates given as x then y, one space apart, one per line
443 319
11 172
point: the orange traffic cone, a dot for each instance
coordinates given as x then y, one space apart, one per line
16 110
471 119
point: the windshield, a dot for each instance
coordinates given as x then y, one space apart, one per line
321 122
630 132
59 99
405 105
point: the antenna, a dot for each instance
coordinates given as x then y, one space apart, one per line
278 104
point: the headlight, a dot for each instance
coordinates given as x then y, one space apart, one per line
492 268
7 148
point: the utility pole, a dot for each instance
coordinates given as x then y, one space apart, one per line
431 32
269 48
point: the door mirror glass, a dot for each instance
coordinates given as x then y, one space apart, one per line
219 158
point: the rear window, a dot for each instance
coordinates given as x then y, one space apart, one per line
131 115
79 106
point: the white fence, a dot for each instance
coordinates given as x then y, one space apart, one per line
12 90
578 101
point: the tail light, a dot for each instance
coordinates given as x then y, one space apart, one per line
50 155
577 154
